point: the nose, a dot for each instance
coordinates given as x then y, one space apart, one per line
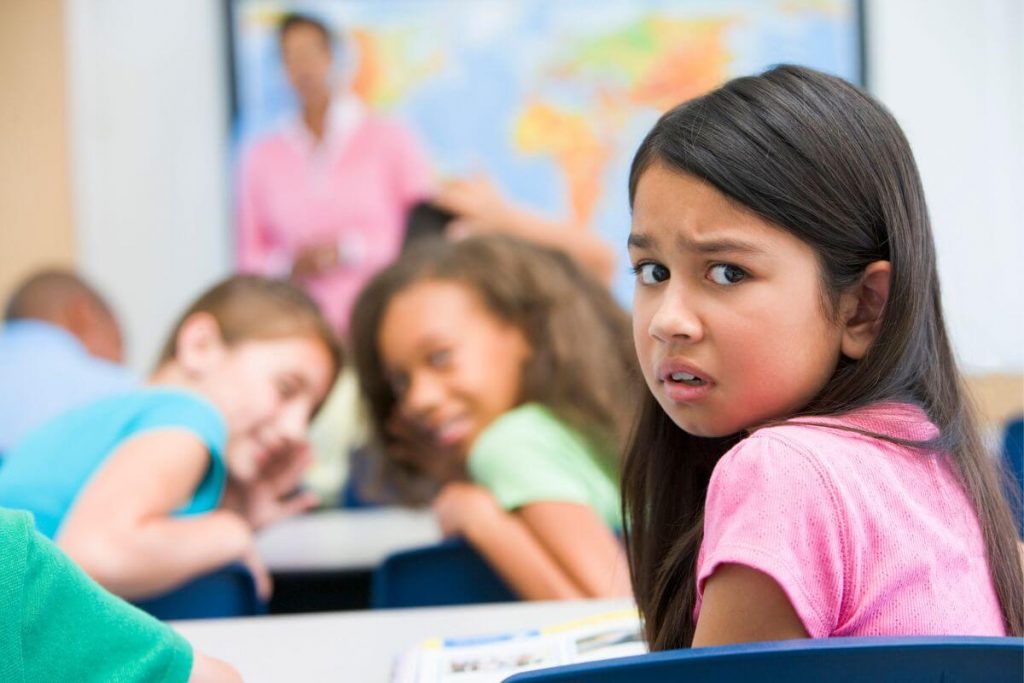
675 318
290 423
423 395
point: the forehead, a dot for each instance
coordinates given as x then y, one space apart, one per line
305 357
673 209
428 311
304 34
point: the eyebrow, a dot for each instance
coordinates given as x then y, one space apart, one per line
715 246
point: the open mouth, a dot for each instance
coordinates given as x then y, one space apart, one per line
687 379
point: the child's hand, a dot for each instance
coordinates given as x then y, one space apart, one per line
272 496
414 446
260 574
460 504
315 260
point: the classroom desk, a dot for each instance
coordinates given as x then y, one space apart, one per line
344 540
361 646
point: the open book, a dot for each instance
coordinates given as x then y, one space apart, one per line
492 658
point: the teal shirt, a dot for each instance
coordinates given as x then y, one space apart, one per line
528 456
45 473
57 624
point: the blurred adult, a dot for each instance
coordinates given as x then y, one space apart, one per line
323 200
60 347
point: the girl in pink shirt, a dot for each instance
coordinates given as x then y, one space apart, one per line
805 462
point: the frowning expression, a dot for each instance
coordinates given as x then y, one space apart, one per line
729 320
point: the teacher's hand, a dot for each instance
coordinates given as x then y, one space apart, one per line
315 260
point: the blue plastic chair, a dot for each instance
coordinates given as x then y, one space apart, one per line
227 592
1013 463
449 573
835 660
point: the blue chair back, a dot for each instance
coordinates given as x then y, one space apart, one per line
1013 463
227 592
836 660
449 573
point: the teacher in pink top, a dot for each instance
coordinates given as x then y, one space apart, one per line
324 200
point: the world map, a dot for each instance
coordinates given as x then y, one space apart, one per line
547 98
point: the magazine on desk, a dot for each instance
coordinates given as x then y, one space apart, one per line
492 658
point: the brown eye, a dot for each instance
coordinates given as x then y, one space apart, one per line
651 273
726 274
439 359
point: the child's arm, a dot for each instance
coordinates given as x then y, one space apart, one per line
120 529
545 551
581 544
743 605
209 670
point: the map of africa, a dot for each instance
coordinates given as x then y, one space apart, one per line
549 98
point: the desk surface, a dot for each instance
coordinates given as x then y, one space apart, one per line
361 646
344 539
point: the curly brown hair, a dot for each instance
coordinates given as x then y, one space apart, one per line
582 365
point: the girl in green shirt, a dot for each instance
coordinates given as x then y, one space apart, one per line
495 371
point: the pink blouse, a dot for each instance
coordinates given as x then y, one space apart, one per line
864 536
353 189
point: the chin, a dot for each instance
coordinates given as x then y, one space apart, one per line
698 425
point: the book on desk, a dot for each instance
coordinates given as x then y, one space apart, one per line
492 658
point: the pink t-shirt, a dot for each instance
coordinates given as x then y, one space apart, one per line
864 536
353 189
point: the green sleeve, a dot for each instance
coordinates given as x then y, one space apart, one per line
74 630
527 456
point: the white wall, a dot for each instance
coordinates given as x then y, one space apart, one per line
952 72
151 182
148 115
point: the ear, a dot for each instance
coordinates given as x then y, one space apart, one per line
77 317
862 308
199 346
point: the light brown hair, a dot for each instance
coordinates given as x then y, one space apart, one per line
250 307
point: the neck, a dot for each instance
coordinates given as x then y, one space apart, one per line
314 115
170 374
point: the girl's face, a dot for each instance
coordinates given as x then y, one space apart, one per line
267 390
728 315
307 62
454 366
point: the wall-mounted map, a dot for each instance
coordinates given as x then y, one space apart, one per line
549 98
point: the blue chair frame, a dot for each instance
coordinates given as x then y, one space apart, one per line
1013 464
227 592
448 573
952 659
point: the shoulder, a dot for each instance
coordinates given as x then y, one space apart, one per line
16 529
179 408
388 134
262 151
528 423
773 474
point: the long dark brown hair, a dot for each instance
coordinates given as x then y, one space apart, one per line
817 157
581 365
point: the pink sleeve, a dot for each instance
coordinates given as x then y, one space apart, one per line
414 179
254 244
771 507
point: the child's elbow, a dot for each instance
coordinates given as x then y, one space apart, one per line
105 560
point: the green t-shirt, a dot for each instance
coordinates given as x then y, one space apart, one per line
57 624
528 455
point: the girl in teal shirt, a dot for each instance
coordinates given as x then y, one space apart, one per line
154 487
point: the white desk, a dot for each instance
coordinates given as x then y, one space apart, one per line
361 646
341 540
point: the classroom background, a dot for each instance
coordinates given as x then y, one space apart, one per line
87 83
117 130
